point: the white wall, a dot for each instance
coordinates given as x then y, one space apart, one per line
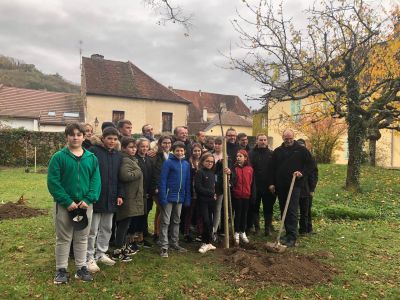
27 124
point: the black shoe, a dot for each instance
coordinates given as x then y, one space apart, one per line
133 248
83 274
289 242
61 276
121 255
146 244
188 238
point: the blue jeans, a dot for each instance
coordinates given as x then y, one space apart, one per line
170 215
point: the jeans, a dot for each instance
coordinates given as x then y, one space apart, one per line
170 214
207 209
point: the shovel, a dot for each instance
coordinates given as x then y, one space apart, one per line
277 247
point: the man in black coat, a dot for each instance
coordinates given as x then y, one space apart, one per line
260 160
289 159
306 196
232 146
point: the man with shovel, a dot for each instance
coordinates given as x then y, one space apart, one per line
289 160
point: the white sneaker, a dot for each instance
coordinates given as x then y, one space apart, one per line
236 238
243 237
92 266
106 260
203 248
211 247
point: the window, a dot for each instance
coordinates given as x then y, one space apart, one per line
295 107
117 115
166 122
51 113
71 114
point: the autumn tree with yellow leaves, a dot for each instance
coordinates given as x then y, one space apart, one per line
332 57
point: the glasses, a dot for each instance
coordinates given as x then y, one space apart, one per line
209 161
168 143
231 135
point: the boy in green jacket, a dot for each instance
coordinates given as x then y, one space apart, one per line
74 182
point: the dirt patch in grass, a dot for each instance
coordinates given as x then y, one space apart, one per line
256 265
18 210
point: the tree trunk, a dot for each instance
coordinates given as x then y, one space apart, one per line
356 136
373 136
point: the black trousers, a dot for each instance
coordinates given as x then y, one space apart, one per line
268 200
291 220
240 208
305 221
207 213
122 231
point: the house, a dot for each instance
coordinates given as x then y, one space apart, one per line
203 112
273 120
115 90
39 110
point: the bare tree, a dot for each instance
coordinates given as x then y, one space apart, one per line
171 13
329 57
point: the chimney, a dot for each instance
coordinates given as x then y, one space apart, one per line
97 56
205 114
170 87
223 107
200 93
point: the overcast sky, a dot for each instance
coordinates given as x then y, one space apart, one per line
47 33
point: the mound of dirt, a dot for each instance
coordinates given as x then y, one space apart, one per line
17 210
285 268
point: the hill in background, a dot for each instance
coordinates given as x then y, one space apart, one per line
16 73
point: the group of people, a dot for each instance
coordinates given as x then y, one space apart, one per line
104 188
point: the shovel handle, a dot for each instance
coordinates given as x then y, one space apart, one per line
286 208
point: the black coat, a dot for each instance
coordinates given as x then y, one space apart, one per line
232 150
146 164
285 161
204 184
157 163
260 160
310 181
111 187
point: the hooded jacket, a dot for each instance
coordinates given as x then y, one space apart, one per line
175 181
73 179
111 187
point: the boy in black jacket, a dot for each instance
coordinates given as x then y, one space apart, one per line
111 196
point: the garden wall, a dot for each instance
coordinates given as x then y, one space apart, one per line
17 147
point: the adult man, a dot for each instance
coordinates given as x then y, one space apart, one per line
243 141
289 159
148 132
260 160
181 135
125 127
232 147
306 196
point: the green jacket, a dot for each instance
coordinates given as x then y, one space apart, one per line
71 179
131 176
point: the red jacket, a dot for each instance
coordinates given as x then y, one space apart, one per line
242 187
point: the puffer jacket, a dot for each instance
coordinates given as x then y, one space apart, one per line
243 183
175 181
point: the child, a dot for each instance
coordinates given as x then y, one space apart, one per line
243 191
74 182
132 178
110 197
206 197
174 189
164 147
191 212
88 134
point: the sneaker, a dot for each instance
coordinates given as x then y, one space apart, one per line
214 237
92 266
243 237
211 247
236 238
129 251
164 252
120 254
106 260
203 248
83 274
178 248
146 244
61 276
133 248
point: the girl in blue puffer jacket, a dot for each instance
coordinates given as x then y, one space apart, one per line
174 190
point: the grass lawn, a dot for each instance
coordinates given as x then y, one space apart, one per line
361 231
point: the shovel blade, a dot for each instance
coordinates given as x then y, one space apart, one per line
275 247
